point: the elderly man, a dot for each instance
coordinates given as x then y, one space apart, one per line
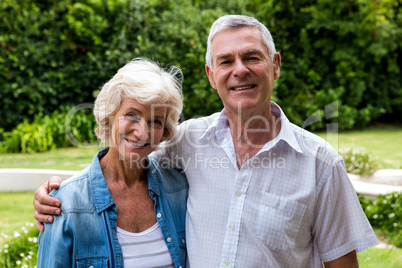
263 192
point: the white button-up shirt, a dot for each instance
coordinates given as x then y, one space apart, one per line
291 205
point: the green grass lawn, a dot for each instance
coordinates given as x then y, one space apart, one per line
385 143
16 209
73 158
378 258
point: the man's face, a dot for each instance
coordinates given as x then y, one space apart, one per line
243 72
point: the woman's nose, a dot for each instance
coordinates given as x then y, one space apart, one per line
141 130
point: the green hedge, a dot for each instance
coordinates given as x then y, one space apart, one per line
385 214
48 132
55 53
20 250
359 161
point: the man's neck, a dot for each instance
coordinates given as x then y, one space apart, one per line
250 132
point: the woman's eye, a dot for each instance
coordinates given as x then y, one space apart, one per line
156 123
132 116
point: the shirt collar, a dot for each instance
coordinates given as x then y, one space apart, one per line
286 134
219 122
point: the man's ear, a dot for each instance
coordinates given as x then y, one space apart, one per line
210 74
277 65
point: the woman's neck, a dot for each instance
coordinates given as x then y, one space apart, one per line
122 171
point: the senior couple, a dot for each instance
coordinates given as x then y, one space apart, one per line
229 209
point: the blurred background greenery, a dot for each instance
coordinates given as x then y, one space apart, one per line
58 54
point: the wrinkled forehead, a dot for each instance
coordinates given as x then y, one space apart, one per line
154 107
239 39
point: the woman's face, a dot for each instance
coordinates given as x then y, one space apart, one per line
137 129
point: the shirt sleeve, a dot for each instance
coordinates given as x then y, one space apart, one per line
340 225
55 244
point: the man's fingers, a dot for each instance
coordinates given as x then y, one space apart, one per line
54 182
40 226
45 205
43 218
47 200
44 209
42 197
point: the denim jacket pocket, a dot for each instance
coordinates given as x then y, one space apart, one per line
95 262
279 222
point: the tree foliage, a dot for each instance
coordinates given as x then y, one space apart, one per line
56 53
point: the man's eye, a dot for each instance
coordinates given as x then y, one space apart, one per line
224 62
252 58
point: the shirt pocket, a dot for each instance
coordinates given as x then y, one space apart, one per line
95 262
279 222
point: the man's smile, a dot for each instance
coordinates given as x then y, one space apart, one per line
242 87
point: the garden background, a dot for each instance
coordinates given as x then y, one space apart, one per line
55 55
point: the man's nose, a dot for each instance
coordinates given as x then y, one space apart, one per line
239 68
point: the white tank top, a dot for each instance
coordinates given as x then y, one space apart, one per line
145 249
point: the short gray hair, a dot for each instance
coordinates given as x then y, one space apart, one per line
236 22
145 82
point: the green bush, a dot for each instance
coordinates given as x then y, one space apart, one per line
358 161
21 250
385 213
345 51
55 53
48 132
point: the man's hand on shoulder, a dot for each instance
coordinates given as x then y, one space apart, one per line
45 205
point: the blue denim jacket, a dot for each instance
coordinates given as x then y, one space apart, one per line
85 232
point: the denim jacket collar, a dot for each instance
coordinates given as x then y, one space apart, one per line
99 189
152 176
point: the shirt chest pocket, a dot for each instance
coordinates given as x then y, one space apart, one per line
279 222
99 262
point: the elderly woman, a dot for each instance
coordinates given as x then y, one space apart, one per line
125 208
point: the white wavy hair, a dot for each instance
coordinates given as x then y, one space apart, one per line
236 22
147 83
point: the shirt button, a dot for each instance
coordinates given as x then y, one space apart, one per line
169 239
183 241
227 262
159 215
233 227
238 193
